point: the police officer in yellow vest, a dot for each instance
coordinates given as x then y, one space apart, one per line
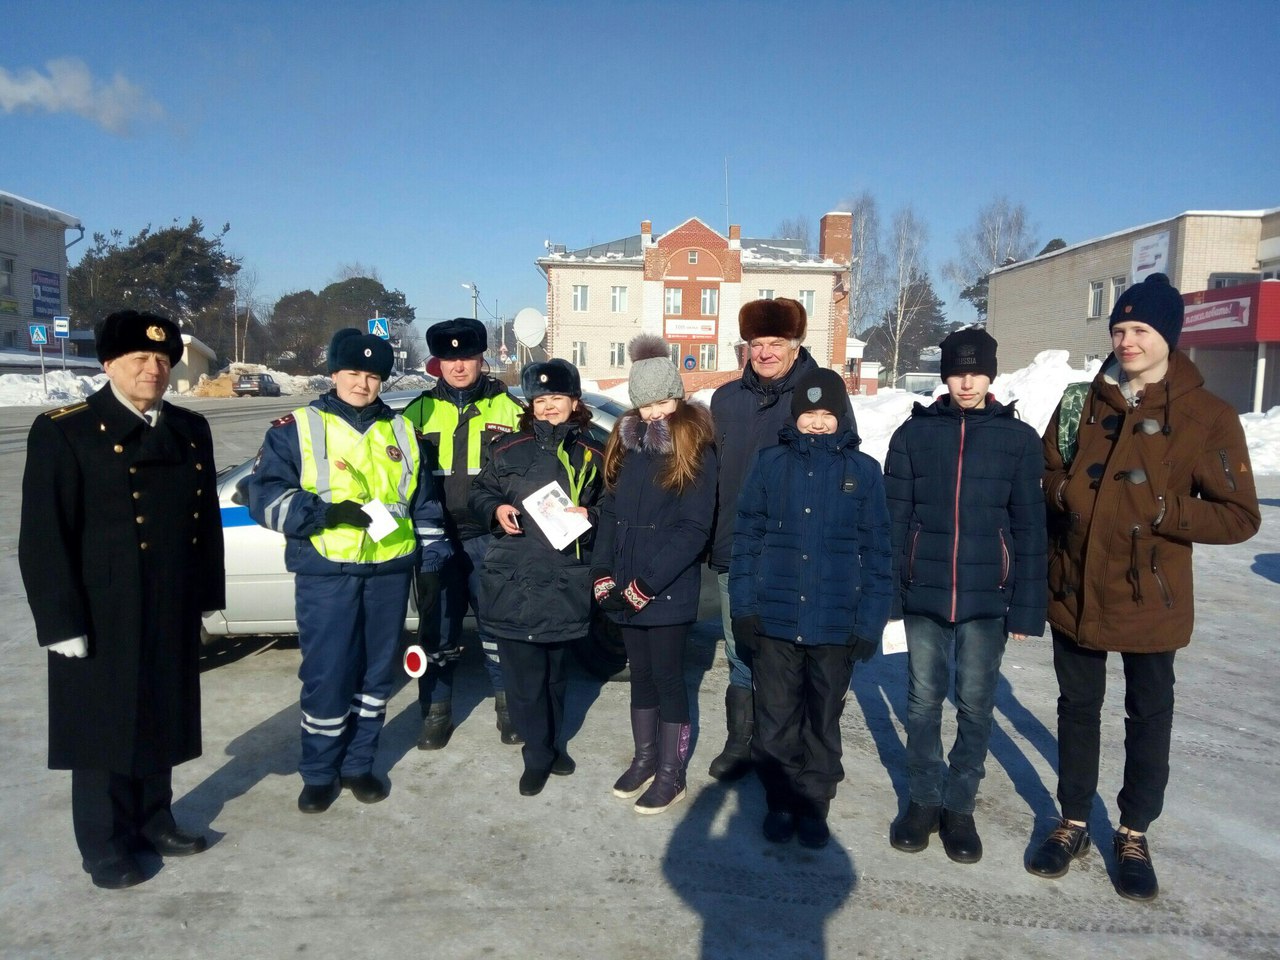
348 483
460 415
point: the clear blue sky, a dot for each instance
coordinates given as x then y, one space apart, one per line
443 143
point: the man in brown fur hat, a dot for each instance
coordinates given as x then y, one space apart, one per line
748 414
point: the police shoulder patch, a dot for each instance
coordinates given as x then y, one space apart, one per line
498 427
284 421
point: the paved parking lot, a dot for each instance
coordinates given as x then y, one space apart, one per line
456 865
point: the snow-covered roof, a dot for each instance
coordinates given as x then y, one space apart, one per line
1241 214
198 346
43 211
761 251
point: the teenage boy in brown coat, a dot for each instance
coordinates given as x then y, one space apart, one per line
1161 463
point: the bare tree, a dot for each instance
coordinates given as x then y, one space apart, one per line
869 265
1001 234
906 268
245 288
797 228
355 271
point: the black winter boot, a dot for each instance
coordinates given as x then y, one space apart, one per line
910 832
436 726
735 759
673 757
644 764
506 729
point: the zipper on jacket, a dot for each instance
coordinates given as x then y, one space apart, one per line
1164 587
1226 469
911 557
1004 559
1133 562
955 543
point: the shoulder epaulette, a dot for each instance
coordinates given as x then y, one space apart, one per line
67 411
284 421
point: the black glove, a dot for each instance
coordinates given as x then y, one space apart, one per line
428 585
746 632
346 513
862 649
613 602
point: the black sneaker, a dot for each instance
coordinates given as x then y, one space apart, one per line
960 836
1135 875
1069 841
910 832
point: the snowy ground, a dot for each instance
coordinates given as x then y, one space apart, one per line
1036 388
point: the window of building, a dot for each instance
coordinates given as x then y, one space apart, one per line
693 256
6 276
674 352
765 294
618 299
806 301
579 353
579 298
707 356
1117 287
617 353
674 301
710 302
1095 298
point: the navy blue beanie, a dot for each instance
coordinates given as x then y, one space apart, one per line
1155 302
352 350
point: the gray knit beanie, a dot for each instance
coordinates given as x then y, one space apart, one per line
654 377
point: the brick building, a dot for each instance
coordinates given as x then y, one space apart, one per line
1063 299
33 267
687 286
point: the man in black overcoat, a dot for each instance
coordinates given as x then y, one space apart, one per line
121 551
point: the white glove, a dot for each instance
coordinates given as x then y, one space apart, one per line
75 647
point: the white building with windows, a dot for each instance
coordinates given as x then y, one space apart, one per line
33 267
686 286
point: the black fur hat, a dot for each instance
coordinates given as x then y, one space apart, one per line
128 331
1155 302
459 337
352 350
553 376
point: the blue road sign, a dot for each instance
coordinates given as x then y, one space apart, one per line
378 327
690 362
62 327
39 334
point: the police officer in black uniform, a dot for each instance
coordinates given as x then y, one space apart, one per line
121 551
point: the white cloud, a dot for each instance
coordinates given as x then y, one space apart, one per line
68 87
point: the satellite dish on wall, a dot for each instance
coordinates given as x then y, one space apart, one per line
530 327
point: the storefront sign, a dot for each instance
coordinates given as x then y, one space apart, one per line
700 329
1222 315
1150 255
46 294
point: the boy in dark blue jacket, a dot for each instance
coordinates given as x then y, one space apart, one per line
810 593
963 480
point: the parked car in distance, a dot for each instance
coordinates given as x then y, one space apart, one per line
256 385
260 596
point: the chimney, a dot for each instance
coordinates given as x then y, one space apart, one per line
835 237
735 237
646 233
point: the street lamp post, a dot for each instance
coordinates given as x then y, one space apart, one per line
475 300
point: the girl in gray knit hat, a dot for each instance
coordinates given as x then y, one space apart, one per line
655 520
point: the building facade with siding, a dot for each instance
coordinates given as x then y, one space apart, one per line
33 267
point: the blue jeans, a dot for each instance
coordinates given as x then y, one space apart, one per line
739 671
979 648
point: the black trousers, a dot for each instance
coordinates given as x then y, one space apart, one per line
1148 727
534 677
800 693
656 656
113 812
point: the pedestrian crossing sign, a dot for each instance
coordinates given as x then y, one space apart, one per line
378 327
39 334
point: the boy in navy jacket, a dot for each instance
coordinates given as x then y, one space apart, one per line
810 590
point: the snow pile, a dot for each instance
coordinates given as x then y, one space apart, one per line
1262 431
24 389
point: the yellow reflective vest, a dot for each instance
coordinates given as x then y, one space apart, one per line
461 438
340 463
